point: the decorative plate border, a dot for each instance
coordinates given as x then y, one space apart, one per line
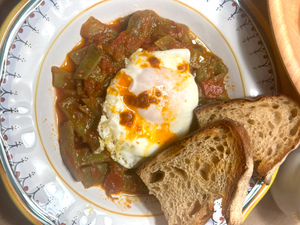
15 40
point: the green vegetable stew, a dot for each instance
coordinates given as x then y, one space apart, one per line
82 80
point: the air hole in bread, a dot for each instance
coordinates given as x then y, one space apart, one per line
271 125
213 177
203 174
226 130
227 152
261 134
206 137
212 117
224 136
180 172
187 161
157 176
219 108
204 171
247 114
171 175
251 121
294 130
220 148
275 106
225 144
214 159
196 208
212 149
196 165
252 107
217 138
294 113
270 150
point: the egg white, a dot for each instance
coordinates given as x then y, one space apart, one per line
179 97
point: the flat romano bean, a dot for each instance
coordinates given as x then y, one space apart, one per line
68 106
164 42
67 150
87 111
61 78
218 66
94 174
95 84
79 87
94 105
89 62
208 71
141 23
198 58
82 123
94 30
85 157
92 138
77 55
201 74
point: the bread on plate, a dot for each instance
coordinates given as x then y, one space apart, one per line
211 163
272 122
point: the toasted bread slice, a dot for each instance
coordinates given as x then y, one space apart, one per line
211 163
272 122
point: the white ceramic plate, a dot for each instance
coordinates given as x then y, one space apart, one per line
42 35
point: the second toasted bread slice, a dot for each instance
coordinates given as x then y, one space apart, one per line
211 163
272 122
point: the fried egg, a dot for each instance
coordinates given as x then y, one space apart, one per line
149 104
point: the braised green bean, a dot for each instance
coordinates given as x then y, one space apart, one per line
61 78
67 150
82 123
89 62
77 55
94 174
94 30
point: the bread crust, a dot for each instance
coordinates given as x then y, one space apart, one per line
233 201
264 169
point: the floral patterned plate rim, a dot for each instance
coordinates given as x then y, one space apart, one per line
36 39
